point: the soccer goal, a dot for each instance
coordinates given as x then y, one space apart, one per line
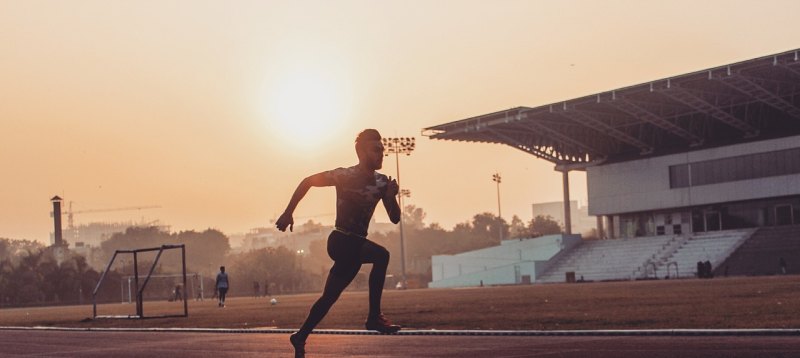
140 290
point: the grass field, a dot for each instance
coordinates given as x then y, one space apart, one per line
752 302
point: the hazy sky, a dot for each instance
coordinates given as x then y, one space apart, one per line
215 110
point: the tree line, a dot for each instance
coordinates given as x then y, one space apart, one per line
31 274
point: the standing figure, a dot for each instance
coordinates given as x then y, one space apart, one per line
358 190
222 285
782 265
178 294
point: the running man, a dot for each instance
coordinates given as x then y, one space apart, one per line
222 285
358 190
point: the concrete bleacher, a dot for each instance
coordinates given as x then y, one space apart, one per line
645 257
761 253
714 247
600 260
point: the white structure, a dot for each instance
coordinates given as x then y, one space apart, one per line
707 151
710 150
732 187
515 261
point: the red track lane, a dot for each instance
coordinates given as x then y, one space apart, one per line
217 345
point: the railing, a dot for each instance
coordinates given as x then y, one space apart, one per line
673 263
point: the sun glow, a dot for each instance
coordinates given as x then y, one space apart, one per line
307 106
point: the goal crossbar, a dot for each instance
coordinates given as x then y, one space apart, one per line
140 290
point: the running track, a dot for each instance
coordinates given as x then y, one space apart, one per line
81 343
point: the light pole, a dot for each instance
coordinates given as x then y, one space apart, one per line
497 179
400 145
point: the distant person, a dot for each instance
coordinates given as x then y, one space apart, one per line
256 289
700 269
178 295
708 269
358 190
782 265
222 285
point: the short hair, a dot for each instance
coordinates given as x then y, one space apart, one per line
365 137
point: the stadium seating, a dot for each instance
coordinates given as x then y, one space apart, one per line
645 257
714 247
606 259
760 254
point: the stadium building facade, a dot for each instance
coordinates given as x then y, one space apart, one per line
708 151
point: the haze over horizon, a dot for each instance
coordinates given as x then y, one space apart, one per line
215 112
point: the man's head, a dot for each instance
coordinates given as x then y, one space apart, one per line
369 149
222 269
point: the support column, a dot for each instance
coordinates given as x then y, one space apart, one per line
600 232
611 231
567 216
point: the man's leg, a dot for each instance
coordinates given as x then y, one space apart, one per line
378 256
336 283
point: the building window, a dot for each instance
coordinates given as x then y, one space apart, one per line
679 176
744 167
783 215
676 229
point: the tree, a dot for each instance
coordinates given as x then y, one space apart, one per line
490 226
413 217
544 225
518 228
205 251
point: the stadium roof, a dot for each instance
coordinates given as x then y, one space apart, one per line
746 101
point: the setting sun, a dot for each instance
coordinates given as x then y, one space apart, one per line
307 106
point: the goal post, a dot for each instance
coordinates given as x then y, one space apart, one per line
140 290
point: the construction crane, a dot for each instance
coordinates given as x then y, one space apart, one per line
70 212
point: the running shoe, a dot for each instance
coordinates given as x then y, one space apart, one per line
381 324
299 346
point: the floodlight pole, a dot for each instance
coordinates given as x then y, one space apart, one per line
497 179
398 145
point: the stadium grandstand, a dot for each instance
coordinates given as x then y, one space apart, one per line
703 166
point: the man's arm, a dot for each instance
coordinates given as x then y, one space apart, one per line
286 219
390 201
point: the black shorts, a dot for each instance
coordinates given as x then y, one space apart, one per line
345 251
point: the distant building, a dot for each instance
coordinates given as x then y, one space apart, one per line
299 239
581 221
710 150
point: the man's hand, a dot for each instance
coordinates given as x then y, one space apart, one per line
392 188
284 221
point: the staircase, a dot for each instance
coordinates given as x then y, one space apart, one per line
761 253
714 247
602 260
